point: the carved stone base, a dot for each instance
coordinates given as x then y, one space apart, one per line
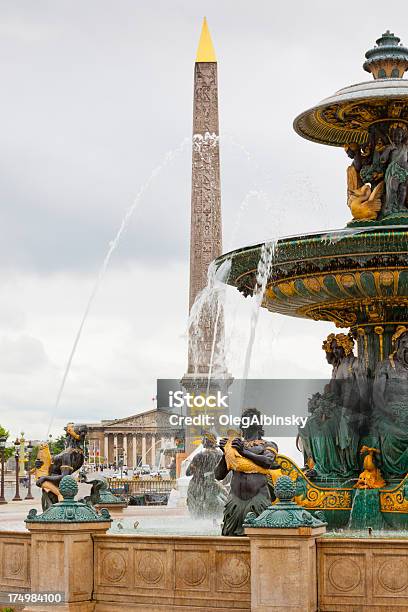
283 569
367 574
62 561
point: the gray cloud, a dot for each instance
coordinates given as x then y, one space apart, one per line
21 355
94 94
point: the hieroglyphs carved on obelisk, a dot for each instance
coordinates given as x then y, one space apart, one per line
206 226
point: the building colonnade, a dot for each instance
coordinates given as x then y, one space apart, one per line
134 448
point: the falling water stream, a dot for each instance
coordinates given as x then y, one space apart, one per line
170 156
208 304
262 274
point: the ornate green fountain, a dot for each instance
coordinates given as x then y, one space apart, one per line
356 442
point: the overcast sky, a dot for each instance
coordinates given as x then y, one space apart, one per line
93 95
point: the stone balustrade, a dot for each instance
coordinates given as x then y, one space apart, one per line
176 573
15 575
172 573
363 574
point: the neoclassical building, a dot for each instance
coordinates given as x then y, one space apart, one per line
138 439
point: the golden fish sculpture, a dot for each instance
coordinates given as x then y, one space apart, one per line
44 455
238 463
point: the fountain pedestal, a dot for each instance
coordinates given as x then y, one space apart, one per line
62 562
283 554
62 551
283 569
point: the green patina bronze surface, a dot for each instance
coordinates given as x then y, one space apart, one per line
366 511
101 495
69 510
285 514
388 48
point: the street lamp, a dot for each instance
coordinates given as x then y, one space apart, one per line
29 451
17 457
3 440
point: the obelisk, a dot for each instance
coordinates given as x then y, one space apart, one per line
205 342
206 229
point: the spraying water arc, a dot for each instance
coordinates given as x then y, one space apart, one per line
169 157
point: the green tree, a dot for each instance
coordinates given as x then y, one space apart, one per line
8 451
58 445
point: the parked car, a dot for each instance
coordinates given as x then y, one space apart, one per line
145 469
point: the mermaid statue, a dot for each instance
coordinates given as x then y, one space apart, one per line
251 459
205 495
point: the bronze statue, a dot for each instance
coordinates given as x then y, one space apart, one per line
251 461
377 179
331 435
390 398
348 381
395 155
50 470
364 201
370 477
205 496
353 171
100 494
372 166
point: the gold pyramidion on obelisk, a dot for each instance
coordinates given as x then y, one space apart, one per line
205 51
206 231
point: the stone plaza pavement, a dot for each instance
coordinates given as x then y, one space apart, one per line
12 515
